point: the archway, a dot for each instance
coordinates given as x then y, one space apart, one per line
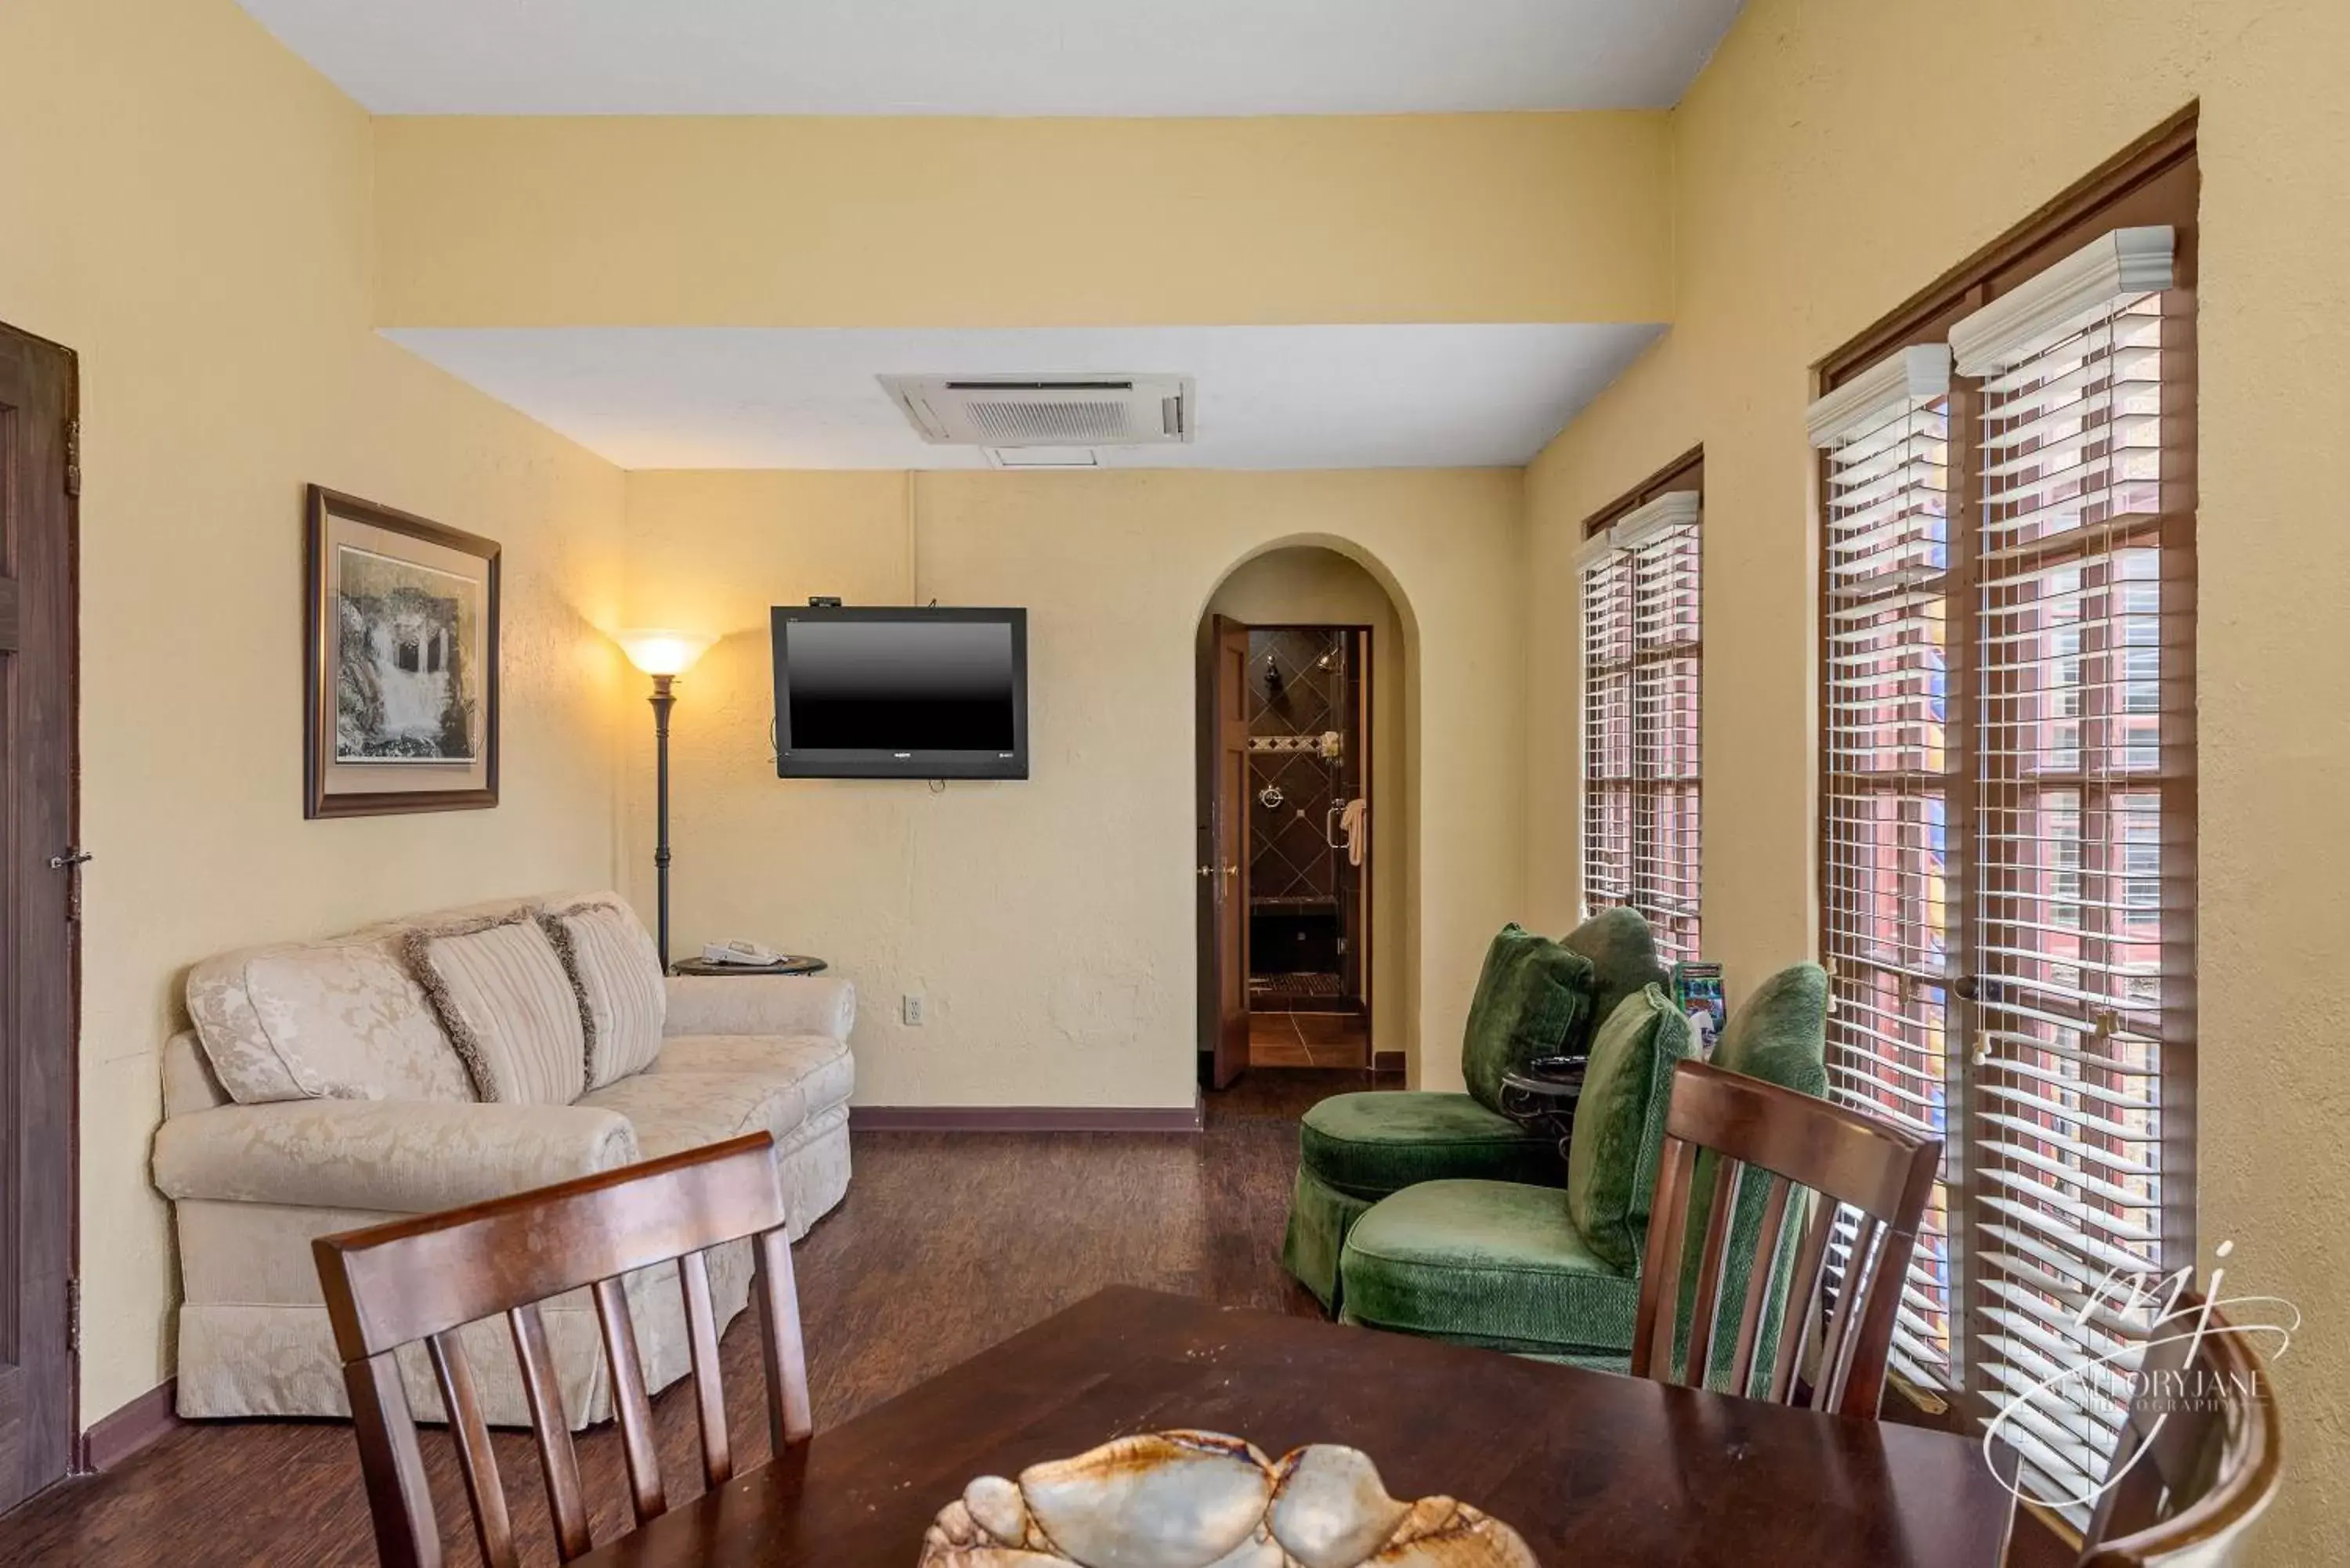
1332 916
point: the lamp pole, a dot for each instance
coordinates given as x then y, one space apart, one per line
663 700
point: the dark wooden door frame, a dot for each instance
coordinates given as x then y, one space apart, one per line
1221 868
40 953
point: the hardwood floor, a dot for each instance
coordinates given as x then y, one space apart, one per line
947 1244
1308 1040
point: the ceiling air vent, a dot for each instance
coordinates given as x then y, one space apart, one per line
1014 411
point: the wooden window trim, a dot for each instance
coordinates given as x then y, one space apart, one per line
2156 179
1686 472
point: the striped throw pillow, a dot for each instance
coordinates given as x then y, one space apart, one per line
611 955
511 1010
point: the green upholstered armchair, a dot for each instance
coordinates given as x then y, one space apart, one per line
1529 1269
1535 997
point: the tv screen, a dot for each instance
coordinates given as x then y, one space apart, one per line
901 693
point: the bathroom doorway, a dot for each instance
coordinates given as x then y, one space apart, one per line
1307 930
1307 701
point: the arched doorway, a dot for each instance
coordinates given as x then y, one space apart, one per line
1307 916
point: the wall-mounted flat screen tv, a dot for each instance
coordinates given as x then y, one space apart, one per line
869 693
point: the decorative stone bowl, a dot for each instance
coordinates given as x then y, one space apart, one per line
1200 1500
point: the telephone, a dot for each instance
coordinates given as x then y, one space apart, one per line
738 951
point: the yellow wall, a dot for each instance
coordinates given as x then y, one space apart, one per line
1310 586
188 207
712 221
1050 922
1836 156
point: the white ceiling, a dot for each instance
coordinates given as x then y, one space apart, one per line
1111 58
1269 397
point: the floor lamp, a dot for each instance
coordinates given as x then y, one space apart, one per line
664 655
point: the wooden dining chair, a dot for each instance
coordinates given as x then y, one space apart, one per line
2200 1451
423 1279
1847 1159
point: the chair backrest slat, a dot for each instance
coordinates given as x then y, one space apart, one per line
1708 1271
558 1459
1885 1172
407 1534
423 1278
709 1392
492 1526
1809 1287
629 1401
1652 1327
1839 1340
1768 1244
2201 1453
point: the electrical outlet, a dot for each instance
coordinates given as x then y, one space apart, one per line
910 1006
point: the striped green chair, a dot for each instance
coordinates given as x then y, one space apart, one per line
1529 1269
1535 997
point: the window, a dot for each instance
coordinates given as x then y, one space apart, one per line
1642 659
2007 623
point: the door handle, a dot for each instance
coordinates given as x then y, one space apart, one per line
73 856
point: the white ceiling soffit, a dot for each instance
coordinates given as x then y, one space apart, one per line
1269 397
1023 57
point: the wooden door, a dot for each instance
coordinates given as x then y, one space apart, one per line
1224 852
37 871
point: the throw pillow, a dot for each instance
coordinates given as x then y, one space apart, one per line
611 956
515 1018
1619 1125
1623 954
1529 998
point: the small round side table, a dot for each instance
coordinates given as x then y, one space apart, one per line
790 964
1543 1103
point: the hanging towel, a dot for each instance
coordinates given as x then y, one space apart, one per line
1351 823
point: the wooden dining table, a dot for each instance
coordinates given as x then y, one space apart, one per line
1588 1467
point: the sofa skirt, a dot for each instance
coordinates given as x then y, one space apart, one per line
275 1356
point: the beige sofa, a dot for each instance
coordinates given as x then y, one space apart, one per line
323 1086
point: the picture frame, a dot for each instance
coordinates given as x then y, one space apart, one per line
399 690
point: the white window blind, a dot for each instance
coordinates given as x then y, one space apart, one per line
1642 654
1884 795
2081 912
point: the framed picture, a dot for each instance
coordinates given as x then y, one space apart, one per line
399 707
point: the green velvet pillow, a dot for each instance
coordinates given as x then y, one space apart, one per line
1623 955
1529 1000
1619 1125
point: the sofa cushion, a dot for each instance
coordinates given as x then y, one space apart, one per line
1623 954
335 1019
1370 1144
1486 1262
673 1112
516 1016
611 956
1619 1125
1530 997
817 1066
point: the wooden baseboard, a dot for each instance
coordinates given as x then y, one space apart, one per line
1386 1060
114 1439
1025 1118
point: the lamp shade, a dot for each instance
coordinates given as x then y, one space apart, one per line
661 651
